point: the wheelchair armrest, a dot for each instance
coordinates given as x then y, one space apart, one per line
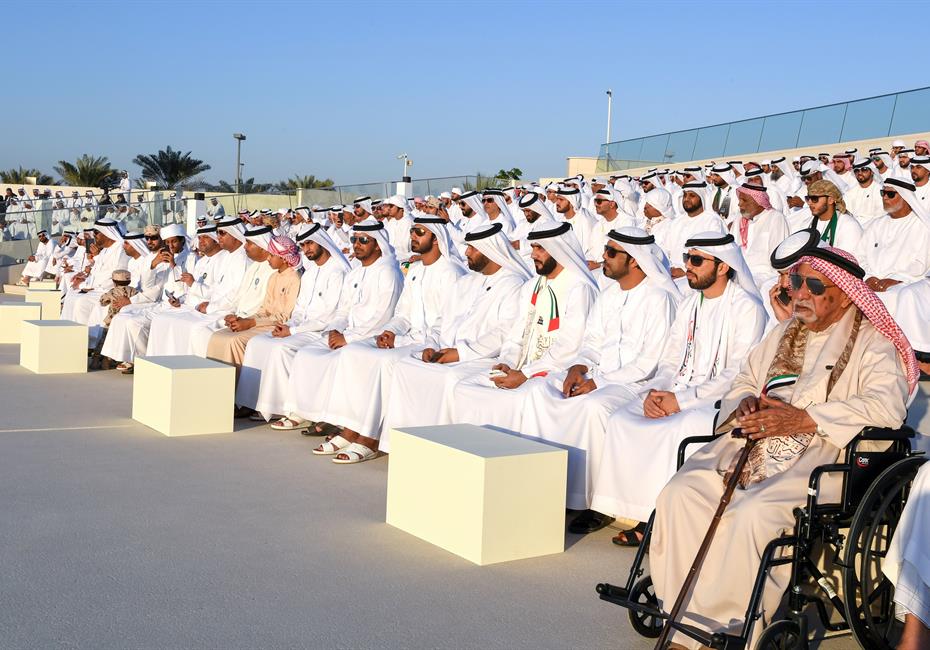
692 440
884 433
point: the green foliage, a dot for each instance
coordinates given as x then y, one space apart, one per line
512 174
169 168
246 186
86 171
19 176
303 182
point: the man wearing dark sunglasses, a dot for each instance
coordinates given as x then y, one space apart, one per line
864 200
829 217
714 329
896 247
365 364
840 365
623 340
369 295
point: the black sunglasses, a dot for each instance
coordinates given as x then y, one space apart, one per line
611 252
811 199
696 260
152 237
362 239
601 200
889 194
814 285
487 199
419 232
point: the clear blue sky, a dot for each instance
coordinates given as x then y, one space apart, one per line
339 89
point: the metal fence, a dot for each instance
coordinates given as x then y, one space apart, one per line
874 117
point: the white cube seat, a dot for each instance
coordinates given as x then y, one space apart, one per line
53 346
12 315
47 285
484 495
183 395
50 301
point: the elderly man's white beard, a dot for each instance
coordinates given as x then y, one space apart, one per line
807 316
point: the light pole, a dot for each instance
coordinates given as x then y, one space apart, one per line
610 96
403 157
239 138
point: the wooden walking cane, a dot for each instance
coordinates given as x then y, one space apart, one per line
708 538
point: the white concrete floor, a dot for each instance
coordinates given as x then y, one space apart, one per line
114 536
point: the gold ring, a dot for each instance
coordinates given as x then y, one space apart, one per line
762 428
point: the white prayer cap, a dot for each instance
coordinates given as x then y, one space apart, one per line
363 202
559 240
261 237
137 241
445 195
456 190
110 229
397 201
232 226
491 242
724 248
374 228
172 230
208 231
439 228
642 247
661 200
535 202
316 233
907 190
898 143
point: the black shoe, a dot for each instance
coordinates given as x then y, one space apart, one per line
588 522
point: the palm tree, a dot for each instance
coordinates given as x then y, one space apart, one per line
246 186
169 168
512 174
20 175
86 171
299 182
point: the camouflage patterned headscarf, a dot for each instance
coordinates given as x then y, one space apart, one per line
826 188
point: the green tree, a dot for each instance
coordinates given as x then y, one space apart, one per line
20 175
170 168
512 174
246 186
86 171
303 183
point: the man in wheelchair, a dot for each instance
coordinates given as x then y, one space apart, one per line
839 365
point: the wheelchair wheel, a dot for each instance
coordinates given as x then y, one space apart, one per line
867 594
781 635
644 623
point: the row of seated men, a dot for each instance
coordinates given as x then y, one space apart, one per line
610 356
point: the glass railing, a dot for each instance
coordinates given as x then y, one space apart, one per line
20 223
874 117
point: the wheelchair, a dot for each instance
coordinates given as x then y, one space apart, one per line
855 533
